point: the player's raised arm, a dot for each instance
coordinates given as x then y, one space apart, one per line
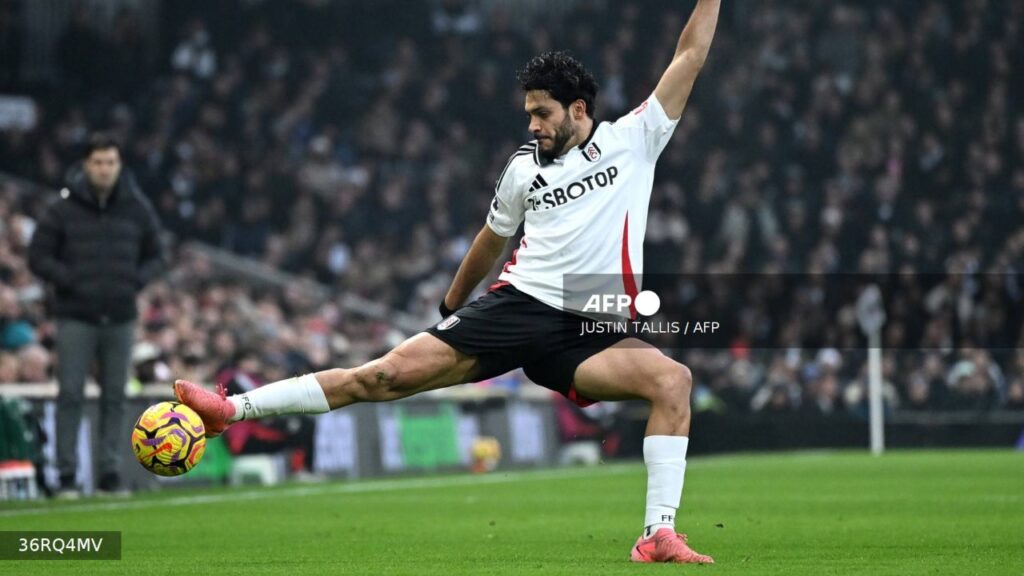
692 50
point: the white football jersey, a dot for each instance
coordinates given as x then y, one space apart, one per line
585 212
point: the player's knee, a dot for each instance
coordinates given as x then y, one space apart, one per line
377 381
672 384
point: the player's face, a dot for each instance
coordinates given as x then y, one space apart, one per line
102 168
550 123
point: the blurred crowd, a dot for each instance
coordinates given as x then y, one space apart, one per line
194 323
361 152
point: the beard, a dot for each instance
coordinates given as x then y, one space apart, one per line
563 134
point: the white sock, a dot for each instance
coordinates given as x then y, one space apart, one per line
299 395
665 457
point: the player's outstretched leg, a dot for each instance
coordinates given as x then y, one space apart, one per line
635 370
419 364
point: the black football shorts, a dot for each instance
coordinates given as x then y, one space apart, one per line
507 329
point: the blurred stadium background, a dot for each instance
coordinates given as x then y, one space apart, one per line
320 170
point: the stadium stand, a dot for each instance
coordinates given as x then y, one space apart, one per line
363 159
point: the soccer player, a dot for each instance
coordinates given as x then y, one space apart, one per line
582 188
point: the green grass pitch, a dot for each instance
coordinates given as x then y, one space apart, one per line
939 512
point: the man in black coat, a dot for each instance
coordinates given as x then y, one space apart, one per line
98 246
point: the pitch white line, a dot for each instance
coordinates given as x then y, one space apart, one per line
371 486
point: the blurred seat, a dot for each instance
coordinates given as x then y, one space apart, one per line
262 469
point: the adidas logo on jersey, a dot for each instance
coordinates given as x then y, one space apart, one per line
538 183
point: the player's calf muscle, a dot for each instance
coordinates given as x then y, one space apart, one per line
375 381
378 381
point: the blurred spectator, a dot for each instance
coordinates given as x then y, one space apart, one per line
128 53
925 386
1015 394
10 369
195 54
781 392
80 50
33 364
15 330
456 17
12 36
824 395
975 382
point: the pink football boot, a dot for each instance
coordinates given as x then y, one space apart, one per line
213 408
667 546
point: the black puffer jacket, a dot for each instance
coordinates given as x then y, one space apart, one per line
98 257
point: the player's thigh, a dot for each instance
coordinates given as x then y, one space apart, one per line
421 363
629 370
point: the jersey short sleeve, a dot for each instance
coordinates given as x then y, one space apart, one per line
648 128
507 209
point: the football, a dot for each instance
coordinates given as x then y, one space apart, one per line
169 439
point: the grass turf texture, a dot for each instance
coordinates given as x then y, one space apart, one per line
948 512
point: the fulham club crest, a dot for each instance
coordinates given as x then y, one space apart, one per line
592 152
448 322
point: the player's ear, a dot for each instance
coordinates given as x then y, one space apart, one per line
579 110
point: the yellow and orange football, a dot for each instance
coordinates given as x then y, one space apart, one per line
169 439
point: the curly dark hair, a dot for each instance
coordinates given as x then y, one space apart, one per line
563 76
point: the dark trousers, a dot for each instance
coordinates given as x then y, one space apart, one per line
78 345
